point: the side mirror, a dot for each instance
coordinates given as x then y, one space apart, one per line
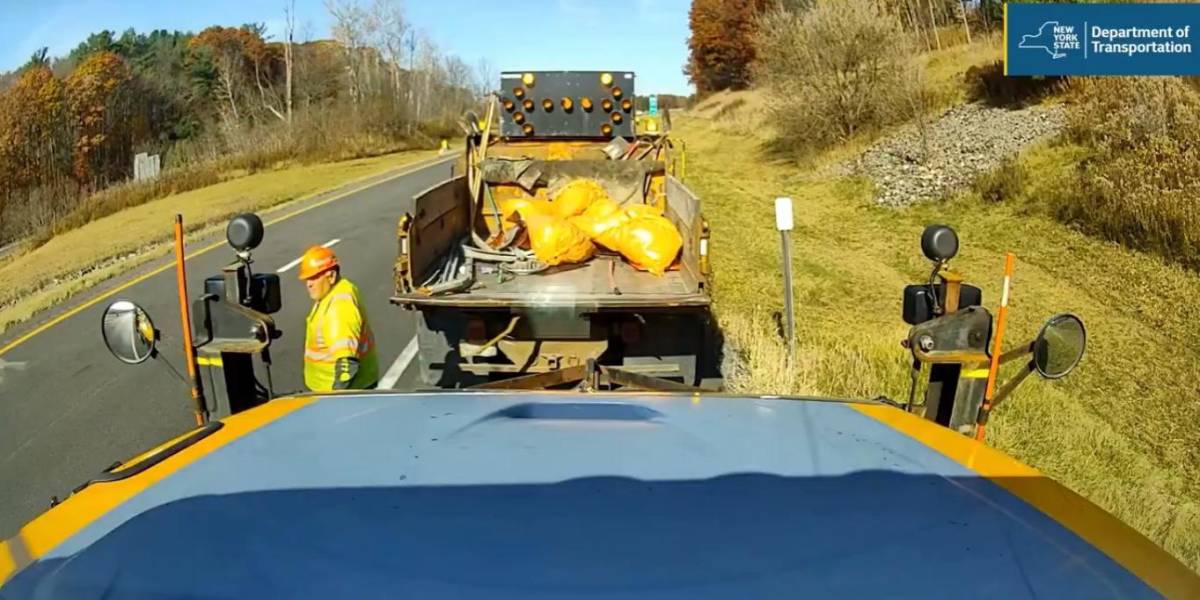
128 332
1056 351
1059 346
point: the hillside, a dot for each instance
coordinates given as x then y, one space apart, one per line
1115 430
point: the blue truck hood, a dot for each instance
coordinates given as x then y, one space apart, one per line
550 495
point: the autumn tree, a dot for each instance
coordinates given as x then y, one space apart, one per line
98 96
223 49
319 73
245 66
36 145
70 125
721 46
350 31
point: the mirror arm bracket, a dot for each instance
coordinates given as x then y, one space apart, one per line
1016 352
1004 391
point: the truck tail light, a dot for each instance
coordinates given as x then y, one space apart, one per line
704 247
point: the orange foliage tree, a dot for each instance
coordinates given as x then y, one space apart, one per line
35 143
721 47
241 59
98 95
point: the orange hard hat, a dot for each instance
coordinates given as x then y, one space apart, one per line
316 260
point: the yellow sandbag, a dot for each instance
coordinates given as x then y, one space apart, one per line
513 206
556 241
596 219
602 223
577 196
634 211
600 208
650 243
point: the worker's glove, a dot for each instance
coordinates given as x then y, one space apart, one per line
344 371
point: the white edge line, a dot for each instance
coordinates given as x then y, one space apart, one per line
289 266
397 369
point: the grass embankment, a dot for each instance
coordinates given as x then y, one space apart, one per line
1120 430
59 268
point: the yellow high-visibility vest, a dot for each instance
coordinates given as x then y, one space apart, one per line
337 327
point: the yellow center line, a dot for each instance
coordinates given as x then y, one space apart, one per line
88 304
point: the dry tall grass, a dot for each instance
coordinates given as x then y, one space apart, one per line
835 70
1141 180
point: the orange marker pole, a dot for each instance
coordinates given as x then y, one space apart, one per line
1010 261
189 351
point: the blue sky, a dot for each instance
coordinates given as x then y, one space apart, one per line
645 36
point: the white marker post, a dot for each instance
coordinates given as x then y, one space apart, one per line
783 222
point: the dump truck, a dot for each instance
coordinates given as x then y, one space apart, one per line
486 313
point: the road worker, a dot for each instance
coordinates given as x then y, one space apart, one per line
339 348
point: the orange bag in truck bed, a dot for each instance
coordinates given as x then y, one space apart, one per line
556 241
650 242
575 197
602 219
512 206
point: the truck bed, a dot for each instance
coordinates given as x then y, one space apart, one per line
442 219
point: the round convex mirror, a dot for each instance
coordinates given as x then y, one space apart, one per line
939 243
1059 346
128 332
244 232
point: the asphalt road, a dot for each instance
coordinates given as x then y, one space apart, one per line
68 408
